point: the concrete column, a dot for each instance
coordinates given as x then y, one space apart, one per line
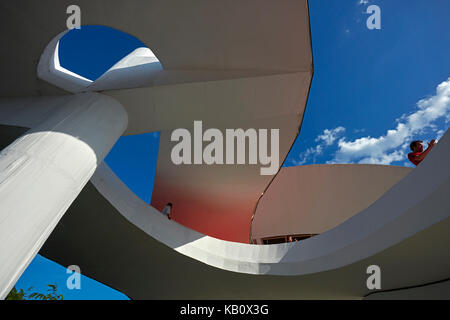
43 171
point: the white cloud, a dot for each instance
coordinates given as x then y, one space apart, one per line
327 138
304 156
394 144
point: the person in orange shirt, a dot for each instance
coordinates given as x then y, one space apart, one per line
417 154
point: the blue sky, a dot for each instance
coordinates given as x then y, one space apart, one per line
372 92
367 81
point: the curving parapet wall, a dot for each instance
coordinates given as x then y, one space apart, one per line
316 198
141 253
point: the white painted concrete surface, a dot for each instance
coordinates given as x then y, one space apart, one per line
398 215
50 69
44 170
137 69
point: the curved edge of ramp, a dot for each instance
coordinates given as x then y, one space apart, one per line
128 245
388 221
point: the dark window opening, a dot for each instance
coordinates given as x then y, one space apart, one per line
287 238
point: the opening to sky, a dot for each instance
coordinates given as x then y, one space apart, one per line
92 50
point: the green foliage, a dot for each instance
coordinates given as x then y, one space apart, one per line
52 294
16 295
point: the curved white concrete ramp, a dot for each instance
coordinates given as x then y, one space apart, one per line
208 70
130 246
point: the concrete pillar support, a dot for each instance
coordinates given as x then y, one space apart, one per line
44 170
